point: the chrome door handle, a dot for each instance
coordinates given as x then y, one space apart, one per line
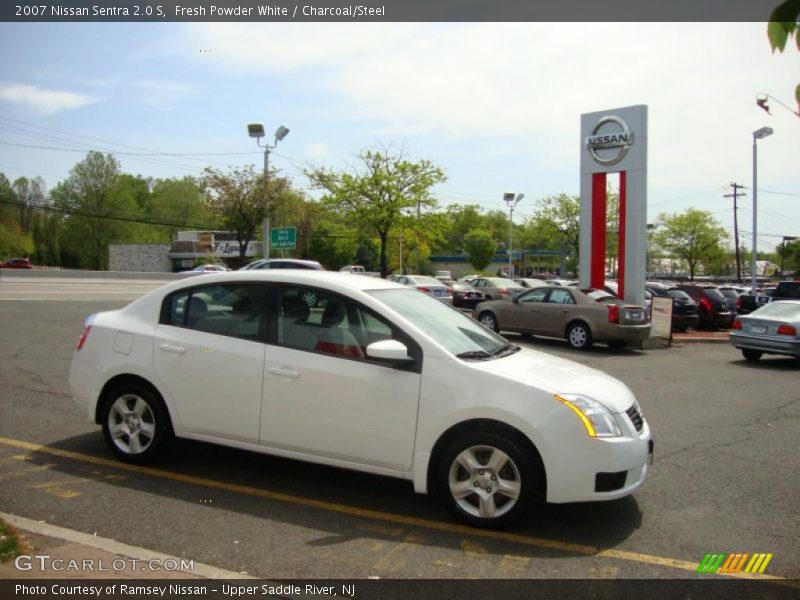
173 349
284 373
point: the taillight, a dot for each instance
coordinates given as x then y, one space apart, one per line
705 303
449 291
503 291
787 330
83 337
422 288
737 324
613 313
739 302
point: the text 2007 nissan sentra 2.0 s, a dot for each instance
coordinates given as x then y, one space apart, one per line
361 373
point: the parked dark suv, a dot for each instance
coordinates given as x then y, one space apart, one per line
786 290
711 306
684 309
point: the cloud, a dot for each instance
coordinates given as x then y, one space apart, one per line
520 88
43 101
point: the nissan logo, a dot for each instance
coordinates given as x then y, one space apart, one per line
616 136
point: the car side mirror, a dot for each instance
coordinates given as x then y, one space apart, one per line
388 350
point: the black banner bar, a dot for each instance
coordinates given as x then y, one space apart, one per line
384 10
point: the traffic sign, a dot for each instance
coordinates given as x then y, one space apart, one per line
284 238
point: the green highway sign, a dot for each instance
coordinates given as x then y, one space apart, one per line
284 238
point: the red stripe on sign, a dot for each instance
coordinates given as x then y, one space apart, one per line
598 258
621 237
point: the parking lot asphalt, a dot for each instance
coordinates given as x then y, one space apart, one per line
724 479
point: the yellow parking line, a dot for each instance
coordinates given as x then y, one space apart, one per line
385 517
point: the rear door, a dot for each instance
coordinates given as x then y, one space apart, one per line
209 354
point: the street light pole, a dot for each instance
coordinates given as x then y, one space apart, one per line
512 200
256 130
757 135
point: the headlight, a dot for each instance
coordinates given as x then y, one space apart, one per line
597 419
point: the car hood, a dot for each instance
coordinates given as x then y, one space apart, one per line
560 376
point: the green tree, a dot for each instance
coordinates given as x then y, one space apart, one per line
98 208
555 223
789 253
332 244
238 199
481 247
783 25
694 236
378 192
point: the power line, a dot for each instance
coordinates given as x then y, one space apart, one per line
117 153
113 216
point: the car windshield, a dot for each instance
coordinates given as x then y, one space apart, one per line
729 293
778 309
502 282
680 294
456 332
714 293
422 280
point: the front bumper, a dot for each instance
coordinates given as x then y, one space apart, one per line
573 476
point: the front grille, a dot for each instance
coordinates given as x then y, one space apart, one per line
635 417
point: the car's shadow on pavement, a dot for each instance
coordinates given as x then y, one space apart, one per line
769 363
341 503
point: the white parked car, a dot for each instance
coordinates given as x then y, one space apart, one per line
360 373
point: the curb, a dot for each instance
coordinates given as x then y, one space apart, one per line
114 547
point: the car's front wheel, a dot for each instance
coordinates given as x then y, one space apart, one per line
486 479
135 423
751 355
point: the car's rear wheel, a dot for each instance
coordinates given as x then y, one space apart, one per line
135 423
751 355
489 321
579 335
486 479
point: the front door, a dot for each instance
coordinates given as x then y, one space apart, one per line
323 396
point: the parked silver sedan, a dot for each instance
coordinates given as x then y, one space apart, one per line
497 288
429 285
772 329
581 316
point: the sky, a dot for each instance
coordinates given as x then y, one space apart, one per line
497 106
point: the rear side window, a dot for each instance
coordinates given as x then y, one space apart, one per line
233 309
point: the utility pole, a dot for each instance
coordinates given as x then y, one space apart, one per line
735 195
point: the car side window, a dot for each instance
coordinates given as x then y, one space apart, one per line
318 321
536 295
560 296
233 309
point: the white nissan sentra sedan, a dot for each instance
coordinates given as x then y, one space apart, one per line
360 373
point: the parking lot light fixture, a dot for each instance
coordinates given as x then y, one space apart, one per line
759 134
512 200
256 130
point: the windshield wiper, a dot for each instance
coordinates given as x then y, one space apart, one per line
505 350
479 354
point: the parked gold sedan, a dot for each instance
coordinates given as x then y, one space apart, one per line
581 316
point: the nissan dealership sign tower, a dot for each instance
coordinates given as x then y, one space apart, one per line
614 141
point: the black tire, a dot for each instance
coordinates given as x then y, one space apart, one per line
507 492
135 423
579 335
751 355
488 320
